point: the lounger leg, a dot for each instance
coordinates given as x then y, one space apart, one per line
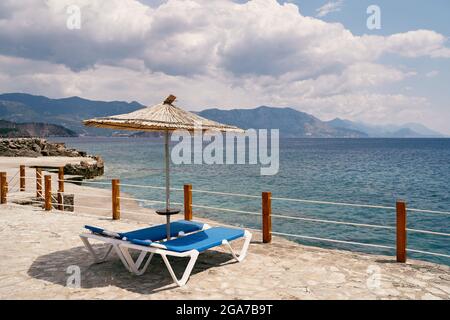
241 255
134 266
187 271
98 259
94 254
122 258
140 258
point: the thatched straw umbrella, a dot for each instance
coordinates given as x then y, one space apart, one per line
165 117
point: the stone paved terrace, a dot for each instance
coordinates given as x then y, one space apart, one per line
37 247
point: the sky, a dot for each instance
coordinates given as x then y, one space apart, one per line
315 56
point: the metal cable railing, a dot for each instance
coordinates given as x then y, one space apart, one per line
14 185
359 224
255 213
334 222
258 197
227 194
228 210
429 253
83 207
429 232
86 182
335 203
148 187
429 211
251 196
11 179
332 240
143 200
90 195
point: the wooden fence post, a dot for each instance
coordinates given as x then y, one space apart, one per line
22 178
188 202
401 230
61 188
39 183
115 199
266 218
3 187
48 192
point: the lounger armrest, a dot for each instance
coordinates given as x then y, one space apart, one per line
148 243
103 232
111 234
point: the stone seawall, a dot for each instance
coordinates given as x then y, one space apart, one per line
37 147
86 169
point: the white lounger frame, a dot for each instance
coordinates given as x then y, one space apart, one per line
113 243
135 266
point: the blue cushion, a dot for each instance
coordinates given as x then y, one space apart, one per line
158 232
200 241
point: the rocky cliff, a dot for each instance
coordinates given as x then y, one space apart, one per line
10 129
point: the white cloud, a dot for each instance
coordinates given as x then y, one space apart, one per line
105 82
369 107
210 53
432 74
111 83
191 37
354 78
417 43
329 7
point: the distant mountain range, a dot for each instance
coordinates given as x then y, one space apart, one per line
69 112
10 129
292 123
408 130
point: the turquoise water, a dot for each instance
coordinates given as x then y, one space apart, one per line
366 171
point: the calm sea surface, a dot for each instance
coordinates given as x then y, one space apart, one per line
366 171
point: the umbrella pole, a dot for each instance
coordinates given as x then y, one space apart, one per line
166 147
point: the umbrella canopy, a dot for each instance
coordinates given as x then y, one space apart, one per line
164 117
161 117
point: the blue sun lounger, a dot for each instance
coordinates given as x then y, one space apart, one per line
188 246
153 233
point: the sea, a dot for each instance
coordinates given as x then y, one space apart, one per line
360 171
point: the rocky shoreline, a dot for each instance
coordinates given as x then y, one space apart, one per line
37 147
85 169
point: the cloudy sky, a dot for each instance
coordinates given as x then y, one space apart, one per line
315 56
